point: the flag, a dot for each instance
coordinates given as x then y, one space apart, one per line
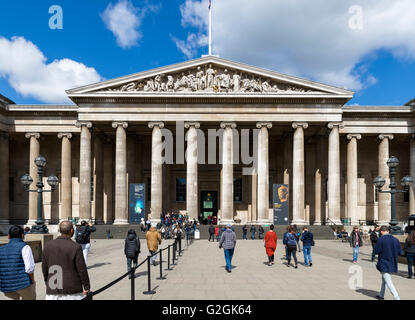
210 4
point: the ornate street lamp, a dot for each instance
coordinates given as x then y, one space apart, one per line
27 180
379 182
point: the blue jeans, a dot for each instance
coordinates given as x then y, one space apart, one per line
253 235
387 281
307 255
355 253
244 236
411 261
228 258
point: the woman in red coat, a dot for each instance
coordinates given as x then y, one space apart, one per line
270 244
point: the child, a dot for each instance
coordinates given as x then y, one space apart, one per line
131 249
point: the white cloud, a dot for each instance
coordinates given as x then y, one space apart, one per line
305 38
124 21
27 71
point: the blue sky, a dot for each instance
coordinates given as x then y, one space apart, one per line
170 31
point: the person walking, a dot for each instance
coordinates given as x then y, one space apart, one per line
270 244
212 233
108 233
284 241
356 242
410 252
228 242
217 233
252 230
307 238
292 247
374 237
83 237
131 249
17 267
388 250
64 268
153 238
244 232
261 232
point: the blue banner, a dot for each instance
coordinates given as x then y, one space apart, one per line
137 202
280 204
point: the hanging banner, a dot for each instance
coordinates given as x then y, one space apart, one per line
280 201
137 202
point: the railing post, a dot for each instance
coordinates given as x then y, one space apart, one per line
180 246
174 252
132 284
168 258
161 268
149 277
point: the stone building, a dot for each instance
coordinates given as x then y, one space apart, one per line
112 136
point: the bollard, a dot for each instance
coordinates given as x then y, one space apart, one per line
168 259
180 246
174 252
132 284
161 268
149 277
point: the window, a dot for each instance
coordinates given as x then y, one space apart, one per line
180 189
11 189
237 190
148 189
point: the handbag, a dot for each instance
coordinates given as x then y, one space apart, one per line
312 243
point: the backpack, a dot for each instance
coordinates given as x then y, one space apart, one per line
81 237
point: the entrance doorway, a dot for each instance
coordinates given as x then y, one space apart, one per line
208 204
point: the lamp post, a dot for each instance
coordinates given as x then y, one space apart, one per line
27 180
379 182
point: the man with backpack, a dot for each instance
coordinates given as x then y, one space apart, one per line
212 233
131 249
82 236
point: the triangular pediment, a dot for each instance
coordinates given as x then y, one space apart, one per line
209 76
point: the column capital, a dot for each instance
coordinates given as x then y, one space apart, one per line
187 125
357 136
259 125
296 125
117 124
80 124
36 135
331 125
385 136
224 125
64 134
153 124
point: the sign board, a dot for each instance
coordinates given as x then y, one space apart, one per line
280 202
137 202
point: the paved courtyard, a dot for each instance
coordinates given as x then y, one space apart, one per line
200 274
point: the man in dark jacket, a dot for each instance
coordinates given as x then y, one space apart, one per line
212 233
63 266
253 230
261 232
131 249
356 242
244 232
388 250
17 267
83 237
374 236
308 241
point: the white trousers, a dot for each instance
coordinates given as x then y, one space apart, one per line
85 251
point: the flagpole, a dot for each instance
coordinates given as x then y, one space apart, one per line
210 27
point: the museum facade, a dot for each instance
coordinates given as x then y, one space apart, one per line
156 127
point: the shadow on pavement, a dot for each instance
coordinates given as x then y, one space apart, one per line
368 293
96 265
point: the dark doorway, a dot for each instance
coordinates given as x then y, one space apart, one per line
208 204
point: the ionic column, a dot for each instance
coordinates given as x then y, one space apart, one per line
85 171
334 173
4 178
121 207
352 187
66 176
263 172
191 170
156 170
226 189
412 174
384 199
298 173
34 153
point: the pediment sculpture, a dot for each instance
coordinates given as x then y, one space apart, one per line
207 79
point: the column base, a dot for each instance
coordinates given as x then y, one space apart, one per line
338 222
317 223
300 222
225 222
120 221
262 222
